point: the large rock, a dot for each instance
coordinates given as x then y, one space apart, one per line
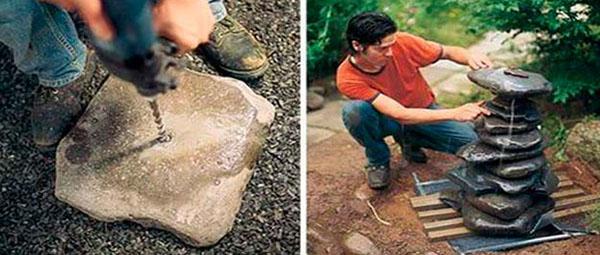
111 166
503 206
584 142
534 218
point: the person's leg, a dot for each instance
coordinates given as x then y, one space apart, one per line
445 136
369 128
232 49
44 42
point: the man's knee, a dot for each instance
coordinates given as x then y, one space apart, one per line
356 112
467 135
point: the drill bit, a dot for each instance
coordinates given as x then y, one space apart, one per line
163 137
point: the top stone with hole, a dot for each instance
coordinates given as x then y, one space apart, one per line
509 83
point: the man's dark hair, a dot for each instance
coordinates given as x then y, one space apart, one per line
369 28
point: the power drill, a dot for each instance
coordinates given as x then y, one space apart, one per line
137 55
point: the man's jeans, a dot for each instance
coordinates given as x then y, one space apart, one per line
44 42
369 128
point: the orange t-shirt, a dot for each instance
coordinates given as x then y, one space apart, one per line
400 79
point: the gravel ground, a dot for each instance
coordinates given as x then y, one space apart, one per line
33 221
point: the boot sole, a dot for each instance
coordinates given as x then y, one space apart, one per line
378 187
46 149
245 75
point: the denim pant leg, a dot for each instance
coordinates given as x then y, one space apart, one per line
43 40
369 128
217 7
445 136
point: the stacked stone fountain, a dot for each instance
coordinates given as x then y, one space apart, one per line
506 182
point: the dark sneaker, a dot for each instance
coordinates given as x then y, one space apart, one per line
55 110
414 154
378 177
235 51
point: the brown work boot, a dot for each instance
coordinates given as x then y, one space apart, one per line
233 50
378 177
56 110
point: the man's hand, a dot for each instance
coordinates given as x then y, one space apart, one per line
185 22
469 112
478 61
92 14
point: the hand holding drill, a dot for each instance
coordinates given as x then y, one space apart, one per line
187 23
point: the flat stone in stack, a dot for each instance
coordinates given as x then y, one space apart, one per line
506 183
494 125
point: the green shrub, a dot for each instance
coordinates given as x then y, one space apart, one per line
327 21
568 38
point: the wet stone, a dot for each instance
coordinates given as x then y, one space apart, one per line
508 104
452 198
527 114
516 169
534 218
494 125
478 152
503 206
520 141
191 186
510 83
477 182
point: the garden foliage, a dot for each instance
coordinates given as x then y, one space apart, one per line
327 21
568 38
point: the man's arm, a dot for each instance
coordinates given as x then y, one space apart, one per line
462 56
395 110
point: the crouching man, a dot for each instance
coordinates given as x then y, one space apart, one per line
391 97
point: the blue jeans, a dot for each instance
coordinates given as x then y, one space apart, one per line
44 42
369 127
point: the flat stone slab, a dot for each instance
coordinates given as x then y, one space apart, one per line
516 104
111 166
479 182
494 125
478 152
502 206
525 113
516 169
534 218
520 141
511 83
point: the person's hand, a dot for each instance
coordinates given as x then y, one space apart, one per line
478 61
92 14
185 22
469 112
